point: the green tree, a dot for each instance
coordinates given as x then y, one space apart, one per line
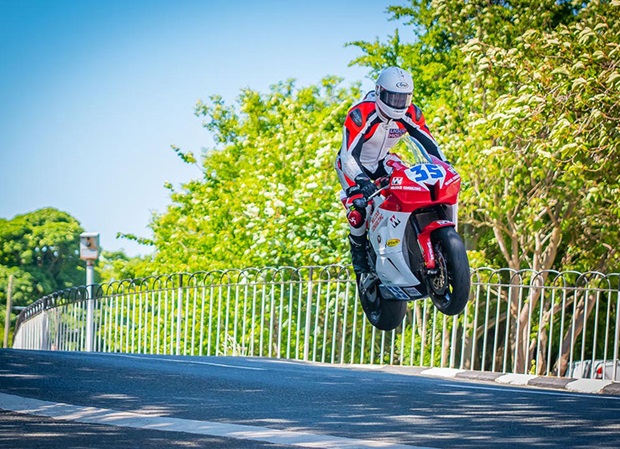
269 195
524 99
41 250
116 266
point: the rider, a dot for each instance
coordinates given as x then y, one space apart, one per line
372 127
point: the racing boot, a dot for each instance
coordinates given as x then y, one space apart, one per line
359 255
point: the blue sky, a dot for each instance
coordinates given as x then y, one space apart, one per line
94 92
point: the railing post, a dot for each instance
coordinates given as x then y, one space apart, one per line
89 251
90 304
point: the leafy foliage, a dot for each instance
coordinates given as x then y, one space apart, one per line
525 102
40 250
269 195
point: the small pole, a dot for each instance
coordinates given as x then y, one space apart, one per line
7 318
89 251
90 280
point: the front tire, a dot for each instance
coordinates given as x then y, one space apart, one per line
384 314
449 286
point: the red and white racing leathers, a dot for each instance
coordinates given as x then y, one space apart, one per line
366 143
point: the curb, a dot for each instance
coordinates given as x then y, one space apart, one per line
589 386
586 386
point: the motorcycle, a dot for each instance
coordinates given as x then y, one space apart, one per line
414 250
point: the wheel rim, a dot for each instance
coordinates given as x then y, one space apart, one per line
440 282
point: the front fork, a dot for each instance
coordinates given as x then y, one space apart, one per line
425 244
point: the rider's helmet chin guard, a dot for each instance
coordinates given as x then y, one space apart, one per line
393 92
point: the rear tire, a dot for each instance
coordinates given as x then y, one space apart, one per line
382 313
449 287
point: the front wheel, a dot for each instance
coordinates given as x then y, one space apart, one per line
450 282
382 313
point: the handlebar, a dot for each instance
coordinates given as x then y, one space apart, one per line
378 192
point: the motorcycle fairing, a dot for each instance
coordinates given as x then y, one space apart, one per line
386 239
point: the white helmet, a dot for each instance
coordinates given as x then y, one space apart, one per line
393 92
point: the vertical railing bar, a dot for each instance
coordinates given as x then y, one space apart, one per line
355 314
496 330
185 323
261 327
474 338
363 337
345 313
325 323
308 316
253 322
530 310
158 346
218 327
614 375
540 329
486 326
281 311
203 297
166 305
507 335
402 339
300 296
518 322
236 320
414 325
562 321
595 337
270 299
583 329
607 329
444 331
244 325
453 342
335 326
317 315
550 341
290 290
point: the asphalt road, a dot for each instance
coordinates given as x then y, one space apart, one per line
204 401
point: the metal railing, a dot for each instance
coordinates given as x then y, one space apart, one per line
545 323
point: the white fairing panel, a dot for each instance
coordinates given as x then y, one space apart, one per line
386 233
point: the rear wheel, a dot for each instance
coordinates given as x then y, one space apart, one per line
382 313
449 284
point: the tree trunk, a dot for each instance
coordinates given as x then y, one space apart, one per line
581 315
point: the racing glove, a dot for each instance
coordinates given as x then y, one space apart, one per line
367 187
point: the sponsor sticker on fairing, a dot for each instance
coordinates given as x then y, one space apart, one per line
395 221
376 219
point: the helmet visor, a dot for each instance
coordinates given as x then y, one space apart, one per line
396 100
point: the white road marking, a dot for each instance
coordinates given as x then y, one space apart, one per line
190 362
102 416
